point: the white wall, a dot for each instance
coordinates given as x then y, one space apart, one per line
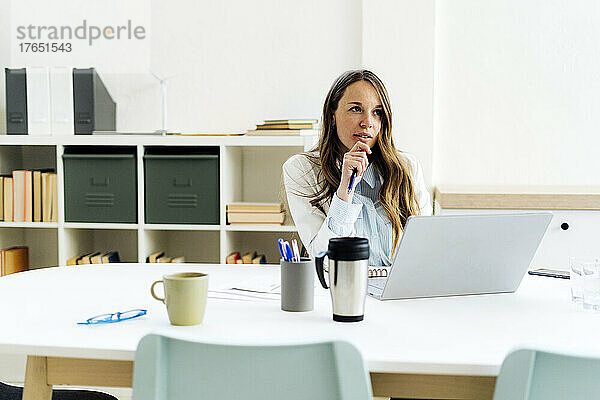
241 62
238 62
398 45
483 92
517 88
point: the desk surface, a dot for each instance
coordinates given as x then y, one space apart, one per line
464 335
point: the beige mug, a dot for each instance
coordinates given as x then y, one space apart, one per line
185 297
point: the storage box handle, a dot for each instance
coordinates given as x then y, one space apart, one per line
182 182
100 181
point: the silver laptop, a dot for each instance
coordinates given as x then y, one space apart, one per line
462 254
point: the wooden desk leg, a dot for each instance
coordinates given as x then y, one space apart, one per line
36 386
416 386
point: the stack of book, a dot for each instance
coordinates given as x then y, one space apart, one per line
252 257
286 127
29 196
95 257
161 257
13 260
255 213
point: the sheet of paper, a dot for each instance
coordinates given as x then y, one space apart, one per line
256 284
242 295
251 289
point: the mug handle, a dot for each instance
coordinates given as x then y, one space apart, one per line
319 267
154 294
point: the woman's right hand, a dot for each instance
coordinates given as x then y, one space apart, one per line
357 159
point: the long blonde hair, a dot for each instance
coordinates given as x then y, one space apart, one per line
397 194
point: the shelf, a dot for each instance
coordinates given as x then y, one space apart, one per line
261 228
263 242
98 225
518 197
180 227
153 140
195 245
249 170
81 241
48 225
152 227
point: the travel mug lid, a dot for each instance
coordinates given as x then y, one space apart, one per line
348 249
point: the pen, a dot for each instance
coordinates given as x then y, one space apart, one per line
280 243
352 181
288 251
352 178
295 250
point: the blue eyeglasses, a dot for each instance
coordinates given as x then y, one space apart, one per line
115 317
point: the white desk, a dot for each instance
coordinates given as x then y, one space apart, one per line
434 348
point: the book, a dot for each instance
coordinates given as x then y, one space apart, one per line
37 196
178 260
16 101
111 257
22 196
49 207
81 257
87 259
97 259
154 256
256 218
18 192
38 101
248 257
232 257
255 207
14 259
282 132
73 260
94 108
61 101
239 261
1 198
284 126
259 259
163 259
54 198
8 199
290 121
46 197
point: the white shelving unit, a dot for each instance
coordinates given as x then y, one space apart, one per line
249 170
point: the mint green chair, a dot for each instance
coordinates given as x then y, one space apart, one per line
537 375
173 369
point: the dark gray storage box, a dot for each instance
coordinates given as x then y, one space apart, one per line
182 185
100 184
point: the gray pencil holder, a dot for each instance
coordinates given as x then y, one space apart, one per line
297 285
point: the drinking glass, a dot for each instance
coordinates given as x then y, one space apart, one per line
575 276
591 285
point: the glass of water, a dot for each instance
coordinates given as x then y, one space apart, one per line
591 285
575 276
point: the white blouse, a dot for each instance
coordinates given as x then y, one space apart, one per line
363 217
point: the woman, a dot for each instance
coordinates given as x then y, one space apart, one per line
356 138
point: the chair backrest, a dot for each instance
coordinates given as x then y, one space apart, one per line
174 369
537 375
